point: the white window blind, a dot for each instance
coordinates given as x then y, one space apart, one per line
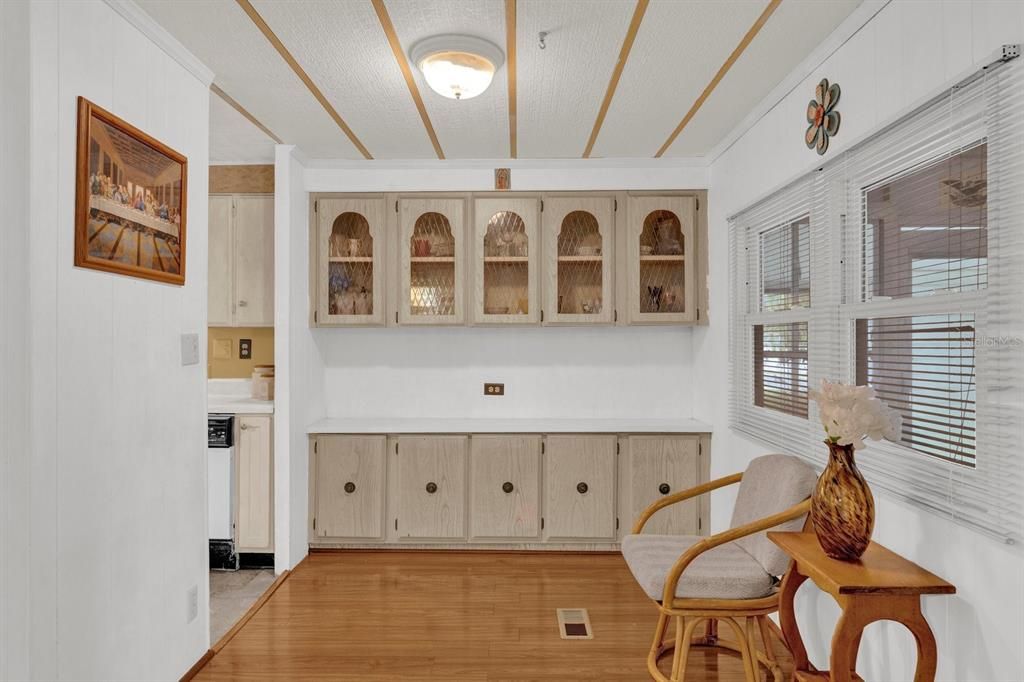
916 287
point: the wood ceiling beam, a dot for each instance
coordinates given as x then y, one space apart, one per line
627 45
510 51
244 112
303 76
403 64
724 69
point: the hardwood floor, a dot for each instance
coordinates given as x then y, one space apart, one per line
469 616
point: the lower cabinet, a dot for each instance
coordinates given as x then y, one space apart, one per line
662 465
504 487
579 473
348 487
430 487
255 484
515 490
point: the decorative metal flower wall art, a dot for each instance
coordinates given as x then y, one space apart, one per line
822 116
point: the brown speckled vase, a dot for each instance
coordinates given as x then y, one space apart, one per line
842 507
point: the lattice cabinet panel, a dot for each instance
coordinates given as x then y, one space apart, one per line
661 259
431 260
506 261
579 260
351 250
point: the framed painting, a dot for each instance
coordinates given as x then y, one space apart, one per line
130 199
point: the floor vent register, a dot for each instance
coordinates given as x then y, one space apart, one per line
574 624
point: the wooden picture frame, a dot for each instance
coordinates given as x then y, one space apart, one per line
130 199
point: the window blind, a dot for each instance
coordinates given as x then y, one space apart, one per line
916 271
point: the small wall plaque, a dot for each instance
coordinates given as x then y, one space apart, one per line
503 178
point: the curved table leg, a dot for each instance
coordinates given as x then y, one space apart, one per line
927 655
787 617
845 643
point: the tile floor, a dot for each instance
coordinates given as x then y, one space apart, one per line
232 593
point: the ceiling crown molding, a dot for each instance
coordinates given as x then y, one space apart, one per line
149 27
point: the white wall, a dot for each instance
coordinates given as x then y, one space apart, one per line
117 477
299 395
14 316
909 49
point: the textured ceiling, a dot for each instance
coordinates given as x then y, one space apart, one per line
344 51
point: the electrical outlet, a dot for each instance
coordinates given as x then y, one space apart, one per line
494 389
222 349
192 604
245 349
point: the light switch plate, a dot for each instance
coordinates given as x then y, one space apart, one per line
189 349
222 349
192 604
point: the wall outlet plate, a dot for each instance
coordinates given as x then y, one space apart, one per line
245 349
222 349
494 389
189 349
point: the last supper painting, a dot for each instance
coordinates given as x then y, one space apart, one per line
131 192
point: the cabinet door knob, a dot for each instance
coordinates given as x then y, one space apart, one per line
507 486
350 487
244 427
664 488
431 487
581 488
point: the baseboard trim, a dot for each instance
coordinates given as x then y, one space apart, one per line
198 665
399 549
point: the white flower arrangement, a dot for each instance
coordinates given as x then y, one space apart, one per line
852 413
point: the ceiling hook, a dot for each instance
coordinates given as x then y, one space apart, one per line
540 39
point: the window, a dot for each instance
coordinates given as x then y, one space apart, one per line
916 237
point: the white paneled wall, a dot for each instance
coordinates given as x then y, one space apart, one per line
117 485
14 316
906 52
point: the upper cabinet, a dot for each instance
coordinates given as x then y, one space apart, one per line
430 253
661 259
578 260
241 261
505 258
350 272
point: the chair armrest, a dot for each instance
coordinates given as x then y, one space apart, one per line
683 495
687 557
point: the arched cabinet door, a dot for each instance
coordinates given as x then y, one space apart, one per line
430 254
578 260
661 260
505 259
350 248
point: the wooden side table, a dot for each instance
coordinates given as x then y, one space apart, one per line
882 585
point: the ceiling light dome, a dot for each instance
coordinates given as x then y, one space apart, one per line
456 66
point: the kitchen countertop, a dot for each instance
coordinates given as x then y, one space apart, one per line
388 425
233 404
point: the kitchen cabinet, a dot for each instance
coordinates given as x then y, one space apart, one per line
580 482
430 487
506 252
660 465
579 260
255 483
431 253
241 260
505 486
348 490
661 260
350 269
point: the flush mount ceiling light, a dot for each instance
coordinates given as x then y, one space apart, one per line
456 66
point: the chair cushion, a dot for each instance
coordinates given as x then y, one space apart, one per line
723 572
771 484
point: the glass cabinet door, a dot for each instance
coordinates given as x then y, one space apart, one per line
431 252
578 260
661 259
505 261
350 286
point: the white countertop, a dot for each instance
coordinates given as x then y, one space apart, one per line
483 425
227 404
233 396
